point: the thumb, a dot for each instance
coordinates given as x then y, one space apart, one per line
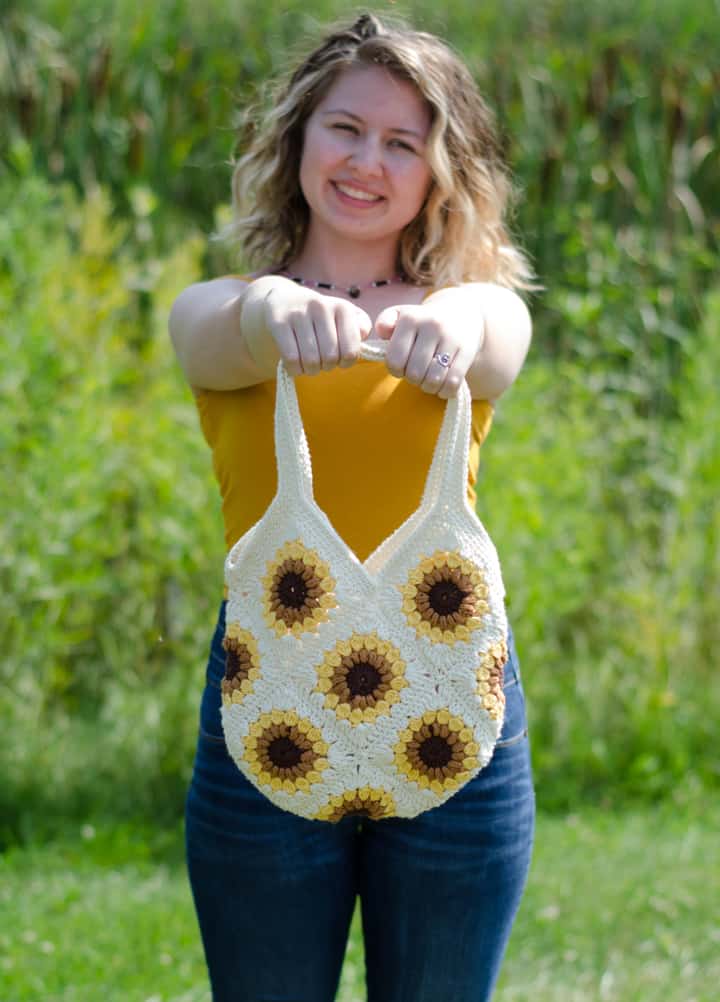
385 322
364 323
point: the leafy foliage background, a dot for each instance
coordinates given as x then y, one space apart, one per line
599 480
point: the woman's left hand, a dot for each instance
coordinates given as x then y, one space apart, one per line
423 337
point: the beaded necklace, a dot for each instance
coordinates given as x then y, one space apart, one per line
353 291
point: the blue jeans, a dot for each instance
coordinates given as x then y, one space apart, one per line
275 893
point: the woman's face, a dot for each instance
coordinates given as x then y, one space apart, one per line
363 170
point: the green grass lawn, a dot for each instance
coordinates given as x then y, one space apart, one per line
618 907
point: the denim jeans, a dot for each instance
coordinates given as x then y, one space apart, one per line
275 893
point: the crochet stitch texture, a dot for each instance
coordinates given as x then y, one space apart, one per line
371 688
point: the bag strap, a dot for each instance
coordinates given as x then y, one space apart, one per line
446 478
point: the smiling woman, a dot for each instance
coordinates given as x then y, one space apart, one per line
359 178
371 200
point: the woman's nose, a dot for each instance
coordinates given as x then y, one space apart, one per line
367 156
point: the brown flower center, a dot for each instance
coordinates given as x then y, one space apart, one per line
373 804
237 661
362 679
445 598
435 752
357 812
284 753
292 590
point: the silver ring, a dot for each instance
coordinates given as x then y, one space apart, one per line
443 359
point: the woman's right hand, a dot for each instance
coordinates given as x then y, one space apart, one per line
312 332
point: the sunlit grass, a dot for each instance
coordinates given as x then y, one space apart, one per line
618 907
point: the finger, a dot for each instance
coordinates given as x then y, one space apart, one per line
457 372
437 373
429 336
364 323
385 322
349 335
401 345
307 343
322 316
284 337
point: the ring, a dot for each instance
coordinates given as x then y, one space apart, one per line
443 359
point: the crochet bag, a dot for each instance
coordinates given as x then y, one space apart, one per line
373 687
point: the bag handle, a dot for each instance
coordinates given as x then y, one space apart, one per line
446 478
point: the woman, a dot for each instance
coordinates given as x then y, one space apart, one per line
377 203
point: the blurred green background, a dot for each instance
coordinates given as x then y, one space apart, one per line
599 481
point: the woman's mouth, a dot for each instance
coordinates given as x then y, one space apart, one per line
350 195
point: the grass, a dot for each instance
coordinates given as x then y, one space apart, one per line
618 907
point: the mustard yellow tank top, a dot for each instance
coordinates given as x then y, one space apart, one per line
371 439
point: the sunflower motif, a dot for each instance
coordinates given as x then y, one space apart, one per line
445 597
361 677
367 802
437 751
242 664
297 590
490 679
285 751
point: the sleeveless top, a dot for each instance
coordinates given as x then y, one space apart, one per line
368 686
371 436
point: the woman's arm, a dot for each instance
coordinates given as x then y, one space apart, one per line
229 333
485 328
207 326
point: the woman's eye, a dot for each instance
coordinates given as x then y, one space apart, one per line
345 126
401 145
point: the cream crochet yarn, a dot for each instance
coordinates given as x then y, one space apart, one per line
372 687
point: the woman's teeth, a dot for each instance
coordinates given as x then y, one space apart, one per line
356 193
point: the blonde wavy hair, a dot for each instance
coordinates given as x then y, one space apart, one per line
459 235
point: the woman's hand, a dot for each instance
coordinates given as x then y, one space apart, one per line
312 332
418 334
484 328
